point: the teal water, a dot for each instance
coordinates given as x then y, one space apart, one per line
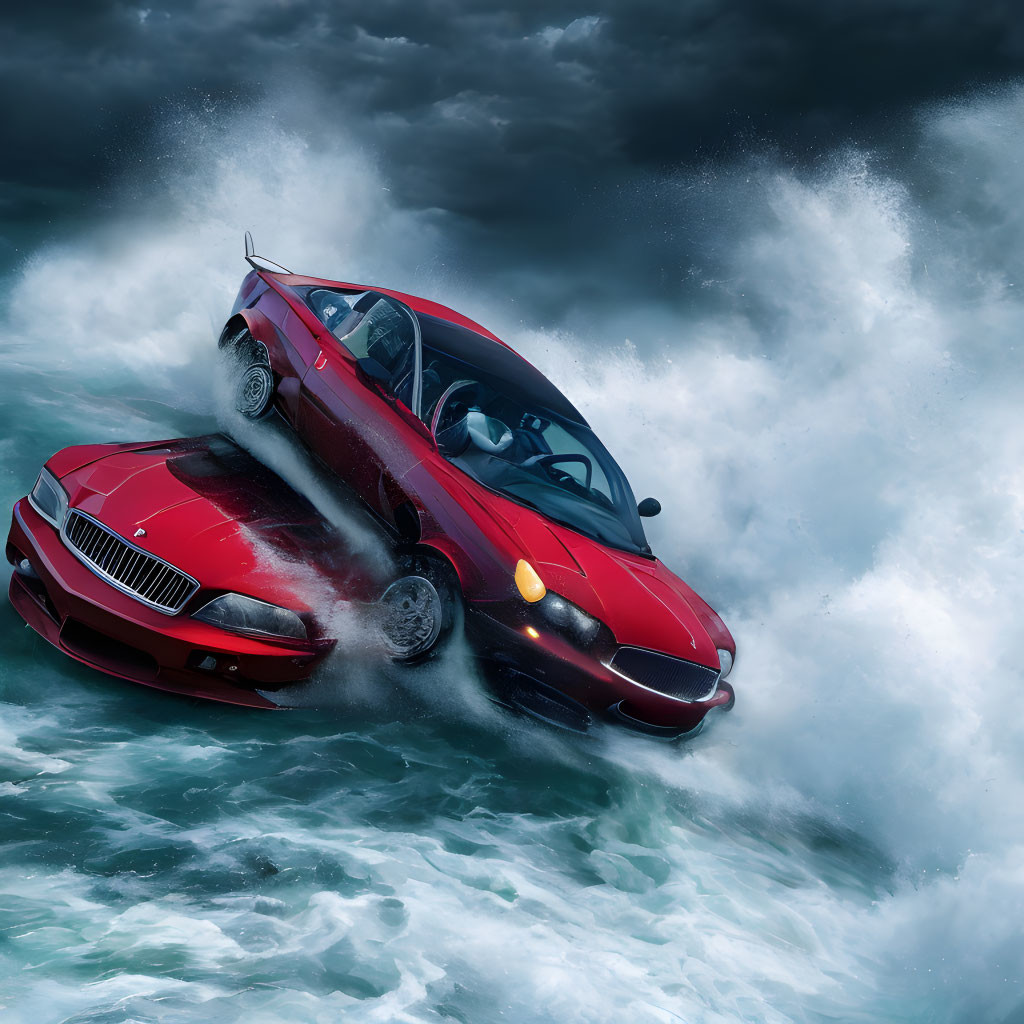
838 447
165 860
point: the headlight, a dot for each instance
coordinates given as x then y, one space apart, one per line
247 615
726 659
569 619
559 613
49 499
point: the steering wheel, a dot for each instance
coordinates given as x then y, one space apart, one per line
551 460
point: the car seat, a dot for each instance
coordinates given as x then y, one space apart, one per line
389 335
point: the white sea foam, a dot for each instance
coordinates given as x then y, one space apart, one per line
839 460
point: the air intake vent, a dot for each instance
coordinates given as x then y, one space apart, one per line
130 569
684 680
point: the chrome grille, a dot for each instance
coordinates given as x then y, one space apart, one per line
131 570
674 677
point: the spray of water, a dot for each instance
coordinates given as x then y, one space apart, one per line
839 457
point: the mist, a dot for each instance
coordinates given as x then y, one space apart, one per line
824 393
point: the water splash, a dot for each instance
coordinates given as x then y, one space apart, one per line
836 441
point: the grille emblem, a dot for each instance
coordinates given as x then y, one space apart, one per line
140 532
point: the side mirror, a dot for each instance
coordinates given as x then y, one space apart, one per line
372 372
649 507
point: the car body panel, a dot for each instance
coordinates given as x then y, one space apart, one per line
639 599
74 595
357 433
132 491
77 456
207 509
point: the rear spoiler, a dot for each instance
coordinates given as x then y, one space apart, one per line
264 264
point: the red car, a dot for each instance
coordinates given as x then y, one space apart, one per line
179 565
508 517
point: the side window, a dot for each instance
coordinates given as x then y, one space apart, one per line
386 332
439 373
404 378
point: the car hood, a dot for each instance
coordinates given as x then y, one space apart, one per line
210 525
639 599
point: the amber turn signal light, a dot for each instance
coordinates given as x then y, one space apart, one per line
528 582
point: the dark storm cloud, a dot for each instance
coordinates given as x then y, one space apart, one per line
509 120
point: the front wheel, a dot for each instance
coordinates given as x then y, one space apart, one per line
411 616
419 612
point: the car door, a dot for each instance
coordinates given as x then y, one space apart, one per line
357 401
298 344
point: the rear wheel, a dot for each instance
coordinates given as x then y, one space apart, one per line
254 391
251 375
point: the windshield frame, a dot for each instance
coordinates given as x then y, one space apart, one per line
557 409
631 548
623 511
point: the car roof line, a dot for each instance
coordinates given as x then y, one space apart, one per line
416 302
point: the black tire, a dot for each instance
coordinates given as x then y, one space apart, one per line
421 611
254 391
253 378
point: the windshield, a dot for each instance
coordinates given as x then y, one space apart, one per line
492 414
532 455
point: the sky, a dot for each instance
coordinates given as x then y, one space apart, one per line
537 134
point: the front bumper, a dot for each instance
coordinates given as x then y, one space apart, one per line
90 621
581 677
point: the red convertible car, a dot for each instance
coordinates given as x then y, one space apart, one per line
509 521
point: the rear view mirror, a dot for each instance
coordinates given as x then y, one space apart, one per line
649 507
